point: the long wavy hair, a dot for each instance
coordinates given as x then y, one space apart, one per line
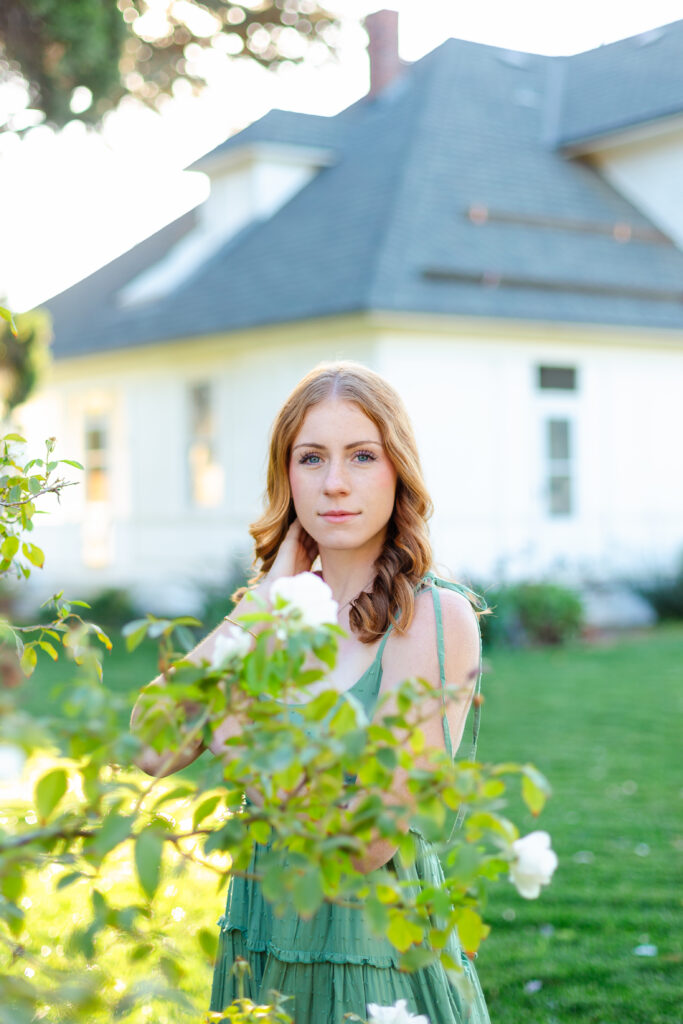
407 554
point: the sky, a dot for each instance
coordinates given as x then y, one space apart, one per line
71 201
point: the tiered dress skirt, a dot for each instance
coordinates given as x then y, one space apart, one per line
333 963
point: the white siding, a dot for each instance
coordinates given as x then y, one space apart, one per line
478 416
479 419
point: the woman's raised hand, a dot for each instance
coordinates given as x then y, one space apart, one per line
296 554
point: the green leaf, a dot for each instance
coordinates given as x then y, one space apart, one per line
226 838
15 437
205 808
49 649
10 546
471 929
535 789
34 484
377 915
49 791
387 757
115 828
69 879
34 555
260 831
28 660
416 958
403 933
72 462
208 941
316 709
307 893
141 951
12 884
177 793
6 315
135 633
148 849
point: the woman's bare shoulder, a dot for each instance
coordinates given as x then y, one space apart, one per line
415 651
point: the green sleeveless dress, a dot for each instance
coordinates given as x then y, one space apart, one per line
333 964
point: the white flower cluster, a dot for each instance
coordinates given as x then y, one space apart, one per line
309 600
396 1014
534 864
235 643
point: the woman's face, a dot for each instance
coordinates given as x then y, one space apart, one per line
339 465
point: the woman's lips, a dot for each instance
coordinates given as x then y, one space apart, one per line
338 517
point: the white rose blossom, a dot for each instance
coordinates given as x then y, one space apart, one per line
533 865
308 596
397 1014
236 643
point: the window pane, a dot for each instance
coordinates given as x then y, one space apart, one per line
95 439
96 484
557 378
201 415
560 496
558 439
96 459
206 482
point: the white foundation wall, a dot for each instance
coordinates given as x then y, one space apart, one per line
480 419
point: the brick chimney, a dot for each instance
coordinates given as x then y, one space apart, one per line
385 64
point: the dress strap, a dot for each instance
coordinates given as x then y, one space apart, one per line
479 602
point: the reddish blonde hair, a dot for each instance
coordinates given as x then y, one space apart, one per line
407 553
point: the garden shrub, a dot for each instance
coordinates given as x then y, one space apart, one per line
665 593
531 613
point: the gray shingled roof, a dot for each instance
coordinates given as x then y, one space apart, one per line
444 197
284 127
616 87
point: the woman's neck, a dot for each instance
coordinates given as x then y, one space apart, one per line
347 572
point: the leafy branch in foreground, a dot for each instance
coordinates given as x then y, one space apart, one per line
311 789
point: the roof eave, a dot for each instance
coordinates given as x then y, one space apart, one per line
621 135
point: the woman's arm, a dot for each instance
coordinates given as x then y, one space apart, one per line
415 654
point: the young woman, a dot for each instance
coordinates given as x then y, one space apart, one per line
344 484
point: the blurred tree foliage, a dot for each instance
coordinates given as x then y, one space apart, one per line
24 355
143 47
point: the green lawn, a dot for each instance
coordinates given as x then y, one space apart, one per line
602 723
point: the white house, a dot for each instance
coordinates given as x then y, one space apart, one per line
498 233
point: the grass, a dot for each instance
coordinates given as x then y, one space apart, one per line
601 723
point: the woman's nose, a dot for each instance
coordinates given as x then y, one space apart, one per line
336 478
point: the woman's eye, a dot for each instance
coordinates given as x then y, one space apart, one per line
314 459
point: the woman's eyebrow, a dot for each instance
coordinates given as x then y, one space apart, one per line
354 444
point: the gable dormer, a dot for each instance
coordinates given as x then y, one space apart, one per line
248 183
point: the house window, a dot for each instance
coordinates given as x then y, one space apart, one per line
97 487
560 486
205 472
557 378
